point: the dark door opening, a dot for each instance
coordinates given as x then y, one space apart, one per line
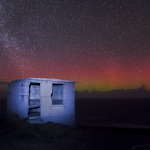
34 100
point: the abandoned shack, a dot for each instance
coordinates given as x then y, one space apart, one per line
42 100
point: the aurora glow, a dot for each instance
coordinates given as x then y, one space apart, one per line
103 45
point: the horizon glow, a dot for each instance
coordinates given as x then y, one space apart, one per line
101 45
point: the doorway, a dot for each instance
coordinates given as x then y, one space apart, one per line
34 101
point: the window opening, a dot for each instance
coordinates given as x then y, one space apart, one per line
57 94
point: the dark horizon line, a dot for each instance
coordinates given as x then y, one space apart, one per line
140 88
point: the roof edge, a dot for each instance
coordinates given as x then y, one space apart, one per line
41 79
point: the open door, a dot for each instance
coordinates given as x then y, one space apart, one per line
34 101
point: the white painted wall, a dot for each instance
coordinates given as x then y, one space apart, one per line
17 98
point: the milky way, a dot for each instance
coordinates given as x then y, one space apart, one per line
101 44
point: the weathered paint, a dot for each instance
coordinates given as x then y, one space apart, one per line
20 92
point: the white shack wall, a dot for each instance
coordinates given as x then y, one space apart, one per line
17 98
46 102
65 113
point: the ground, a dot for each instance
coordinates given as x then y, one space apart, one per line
16 133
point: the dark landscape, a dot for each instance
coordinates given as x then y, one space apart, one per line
105 124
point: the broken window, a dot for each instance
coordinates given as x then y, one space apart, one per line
34 100
57 94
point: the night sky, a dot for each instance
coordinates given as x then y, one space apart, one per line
101 44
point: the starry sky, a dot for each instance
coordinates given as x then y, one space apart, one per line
101 44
